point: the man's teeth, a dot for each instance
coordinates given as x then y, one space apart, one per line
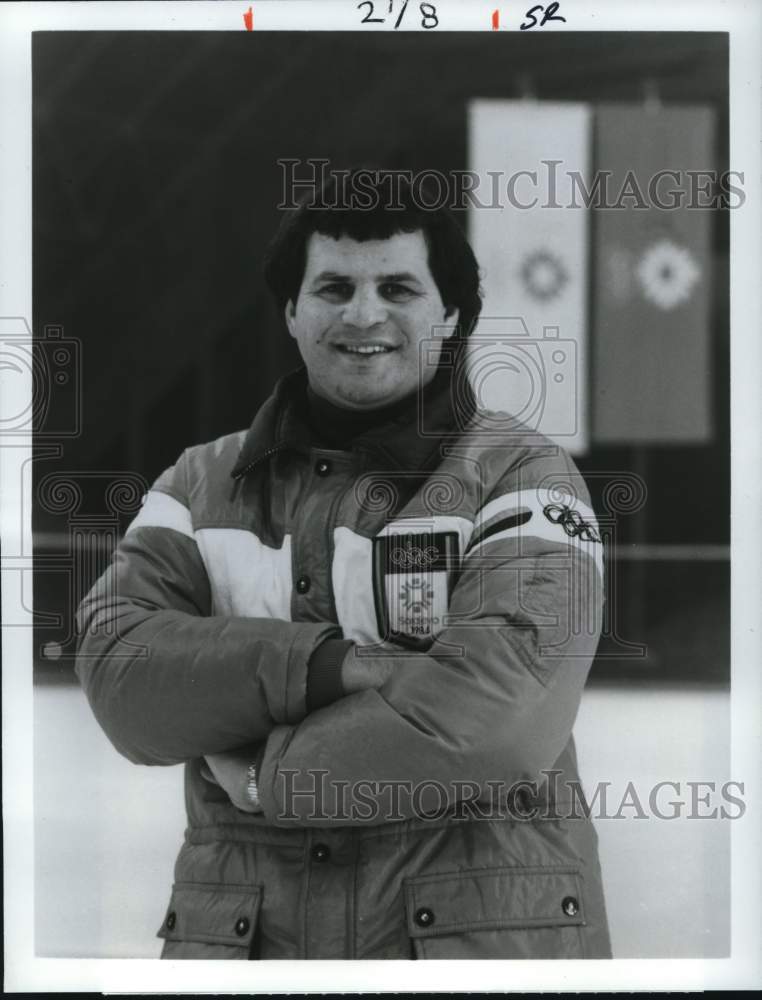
365 348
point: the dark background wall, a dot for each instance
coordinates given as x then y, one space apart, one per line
155 189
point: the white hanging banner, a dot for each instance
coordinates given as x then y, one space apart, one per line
529 227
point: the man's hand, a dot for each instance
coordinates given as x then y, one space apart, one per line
361 672
234 772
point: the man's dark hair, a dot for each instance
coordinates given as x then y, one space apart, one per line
394 205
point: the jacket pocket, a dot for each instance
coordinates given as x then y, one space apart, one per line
210 920
496 913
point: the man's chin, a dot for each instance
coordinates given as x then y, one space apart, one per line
364 405
372 398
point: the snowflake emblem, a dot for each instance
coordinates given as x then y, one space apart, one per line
544 275
416 595
667 274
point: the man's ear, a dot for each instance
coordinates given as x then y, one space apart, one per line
452 315
290 314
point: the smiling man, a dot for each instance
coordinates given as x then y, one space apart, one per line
364 626
362 315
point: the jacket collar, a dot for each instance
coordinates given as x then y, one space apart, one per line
410 441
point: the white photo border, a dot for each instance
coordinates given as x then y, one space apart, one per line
26 972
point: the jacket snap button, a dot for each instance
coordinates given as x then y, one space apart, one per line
322 468
570 906
424 917
171 921
320 852
241 926
303 584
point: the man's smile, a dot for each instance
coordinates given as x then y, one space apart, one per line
364 350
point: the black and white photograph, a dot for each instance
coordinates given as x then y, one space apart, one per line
380 460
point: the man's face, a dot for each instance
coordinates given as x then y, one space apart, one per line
362 312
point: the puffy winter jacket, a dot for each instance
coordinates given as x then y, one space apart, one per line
394 824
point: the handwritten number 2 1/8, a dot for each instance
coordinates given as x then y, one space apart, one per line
428 11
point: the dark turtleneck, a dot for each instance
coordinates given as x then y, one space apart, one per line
337 426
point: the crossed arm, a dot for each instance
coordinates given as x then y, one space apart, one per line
238 771
168 682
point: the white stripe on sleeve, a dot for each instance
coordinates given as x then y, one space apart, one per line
542 506
160 510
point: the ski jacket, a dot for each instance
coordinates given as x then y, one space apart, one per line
439 816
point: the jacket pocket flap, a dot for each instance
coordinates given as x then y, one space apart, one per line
493 898
212 913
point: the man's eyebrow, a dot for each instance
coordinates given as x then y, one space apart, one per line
394 277
400 276
331 276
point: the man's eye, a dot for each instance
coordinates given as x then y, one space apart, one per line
336 291
394 290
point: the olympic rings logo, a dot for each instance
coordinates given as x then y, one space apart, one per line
413 556
571 521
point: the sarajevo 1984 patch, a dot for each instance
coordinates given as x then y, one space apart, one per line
413 577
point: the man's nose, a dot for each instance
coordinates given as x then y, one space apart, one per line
364 309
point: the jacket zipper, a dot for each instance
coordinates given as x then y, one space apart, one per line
260 458
338 497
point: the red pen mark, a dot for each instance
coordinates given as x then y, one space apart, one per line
495 20
248 19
